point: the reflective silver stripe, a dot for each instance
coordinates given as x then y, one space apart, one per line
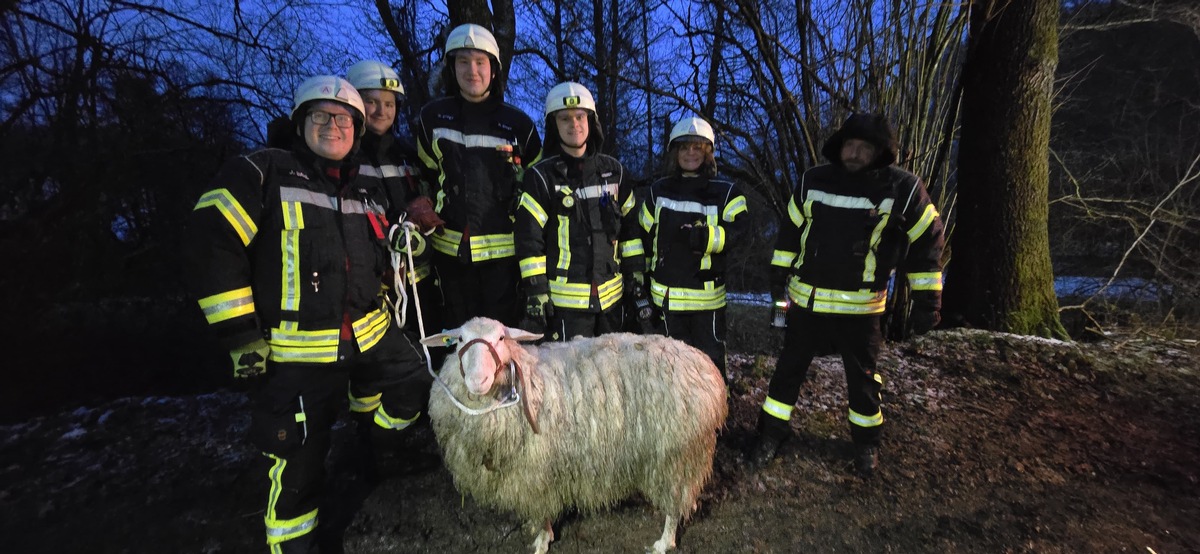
925 281
593 191
534 209
385 171
564 243
386 421
352 206
837 301
839 201
794 214
685 206
289 247
870 261
533 265
291 345
777 409
783 258
227 305
370 329
734 208
232 211
687 300
923 223
864 420
305 196
470 141
631 248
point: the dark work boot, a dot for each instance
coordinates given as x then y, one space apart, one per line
866 460
772 431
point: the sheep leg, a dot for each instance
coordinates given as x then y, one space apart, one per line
543 538
667 541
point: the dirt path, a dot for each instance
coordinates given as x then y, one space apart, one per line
994 444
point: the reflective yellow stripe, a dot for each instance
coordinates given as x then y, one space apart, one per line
716 239
227 305
630 203
734 208
577 296
923 223
281 530
419 273
925 281
362 404
777 409
534 209
646 218
794 214
232 210
483 247
833 301
370 328
289 247
866 421
680 299
533 266
870 261
564 243
632 248
783 258
386 421
292 345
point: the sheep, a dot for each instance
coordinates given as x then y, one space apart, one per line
600 420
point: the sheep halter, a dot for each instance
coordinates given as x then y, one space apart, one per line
514 373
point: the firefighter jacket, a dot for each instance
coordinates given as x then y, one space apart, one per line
575 231
846 232
388 163
686 276
474 156
291 247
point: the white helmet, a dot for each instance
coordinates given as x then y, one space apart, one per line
373 75
569 95
693 127
328 87
474 37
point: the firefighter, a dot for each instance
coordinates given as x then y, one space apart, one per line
690 218
575 227
851 223
475 148
288 250
389 163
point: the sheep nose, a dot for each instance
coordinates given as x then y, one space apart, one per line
479 384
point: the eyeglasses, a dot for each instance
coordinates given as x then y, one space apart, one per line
322 118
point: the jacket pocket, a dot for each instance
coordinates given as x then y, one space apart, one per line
279 428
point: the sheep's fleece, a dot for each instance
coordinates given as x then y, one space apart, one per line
615 415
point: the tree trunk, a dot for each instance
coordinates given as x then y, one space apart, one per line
1000 277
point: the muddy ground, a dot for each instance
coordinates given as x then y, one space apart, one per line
994 443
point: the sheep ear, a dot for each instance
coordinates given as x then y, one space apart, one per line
445 338
521 335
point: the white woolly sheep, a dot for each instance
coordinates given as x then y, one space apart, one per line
600 420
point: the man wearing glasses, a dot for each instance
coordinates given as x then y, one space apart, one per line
289 251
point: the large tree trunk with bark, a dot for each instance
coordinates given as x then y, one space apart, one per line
1000 275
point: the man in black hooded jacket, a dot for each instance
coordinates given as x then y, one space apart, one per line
851 223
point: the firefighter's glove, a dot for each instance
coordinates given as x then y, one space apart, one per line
922 321
698 238
420 211
537 308
405 237
250 361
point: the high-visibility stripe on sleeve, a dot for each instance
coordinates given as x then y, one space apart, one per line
630 204
646 217
925 281
227 305
386 421
716 239
632 248
232 210
534 209
533 266
922 223
783 258
734 208
794 214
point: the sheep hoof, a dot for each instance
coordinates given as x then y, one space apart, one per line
541 542
661 546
